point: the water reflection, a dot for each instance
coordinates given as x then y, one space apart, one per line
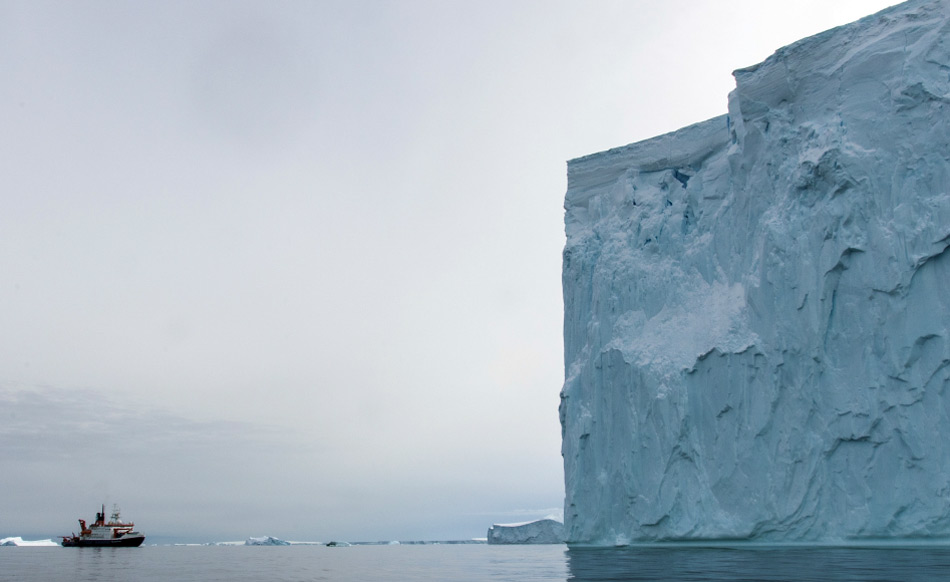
682 564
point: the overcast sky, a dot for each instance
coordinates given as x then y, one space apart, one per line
293 268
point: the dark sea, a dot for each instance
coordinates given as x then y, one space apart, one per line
470 562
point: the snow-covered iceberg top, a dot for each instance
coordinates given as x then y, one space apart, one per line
20 542
757 323
542 531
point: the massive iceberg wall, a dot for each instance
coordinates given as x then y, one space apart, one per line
757 307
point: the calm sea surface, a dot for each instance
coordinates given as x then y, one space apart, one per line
460 563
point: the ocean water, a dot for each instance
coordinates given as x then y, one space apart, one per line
463 563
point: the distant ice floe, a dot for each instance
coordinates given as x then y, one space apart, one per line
265 541
272 541
20 542
542 531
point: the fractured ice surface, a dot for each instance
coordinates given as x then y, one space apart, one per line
757 306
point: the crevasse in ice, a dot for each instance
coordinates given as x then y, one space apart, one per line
757 307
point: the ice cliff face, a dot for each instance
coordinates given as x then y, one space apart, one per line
757 307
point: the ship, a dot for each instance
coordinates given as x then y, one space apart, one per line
113 533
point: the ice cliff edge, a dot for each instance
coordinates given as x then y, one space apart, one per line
757 315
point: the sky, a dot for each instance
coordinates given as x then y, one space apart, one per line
293 268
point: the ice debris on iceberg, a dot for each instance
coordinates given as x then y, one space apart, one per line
265 541
20 542
542 531
757 315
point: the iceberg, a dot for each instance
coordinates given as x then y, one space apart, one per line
542 531
265 541
20 542
757 322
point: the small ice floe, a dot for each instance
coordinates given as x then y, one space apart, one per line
20 542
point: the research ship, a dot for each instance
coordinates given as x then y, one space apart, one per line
113 533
